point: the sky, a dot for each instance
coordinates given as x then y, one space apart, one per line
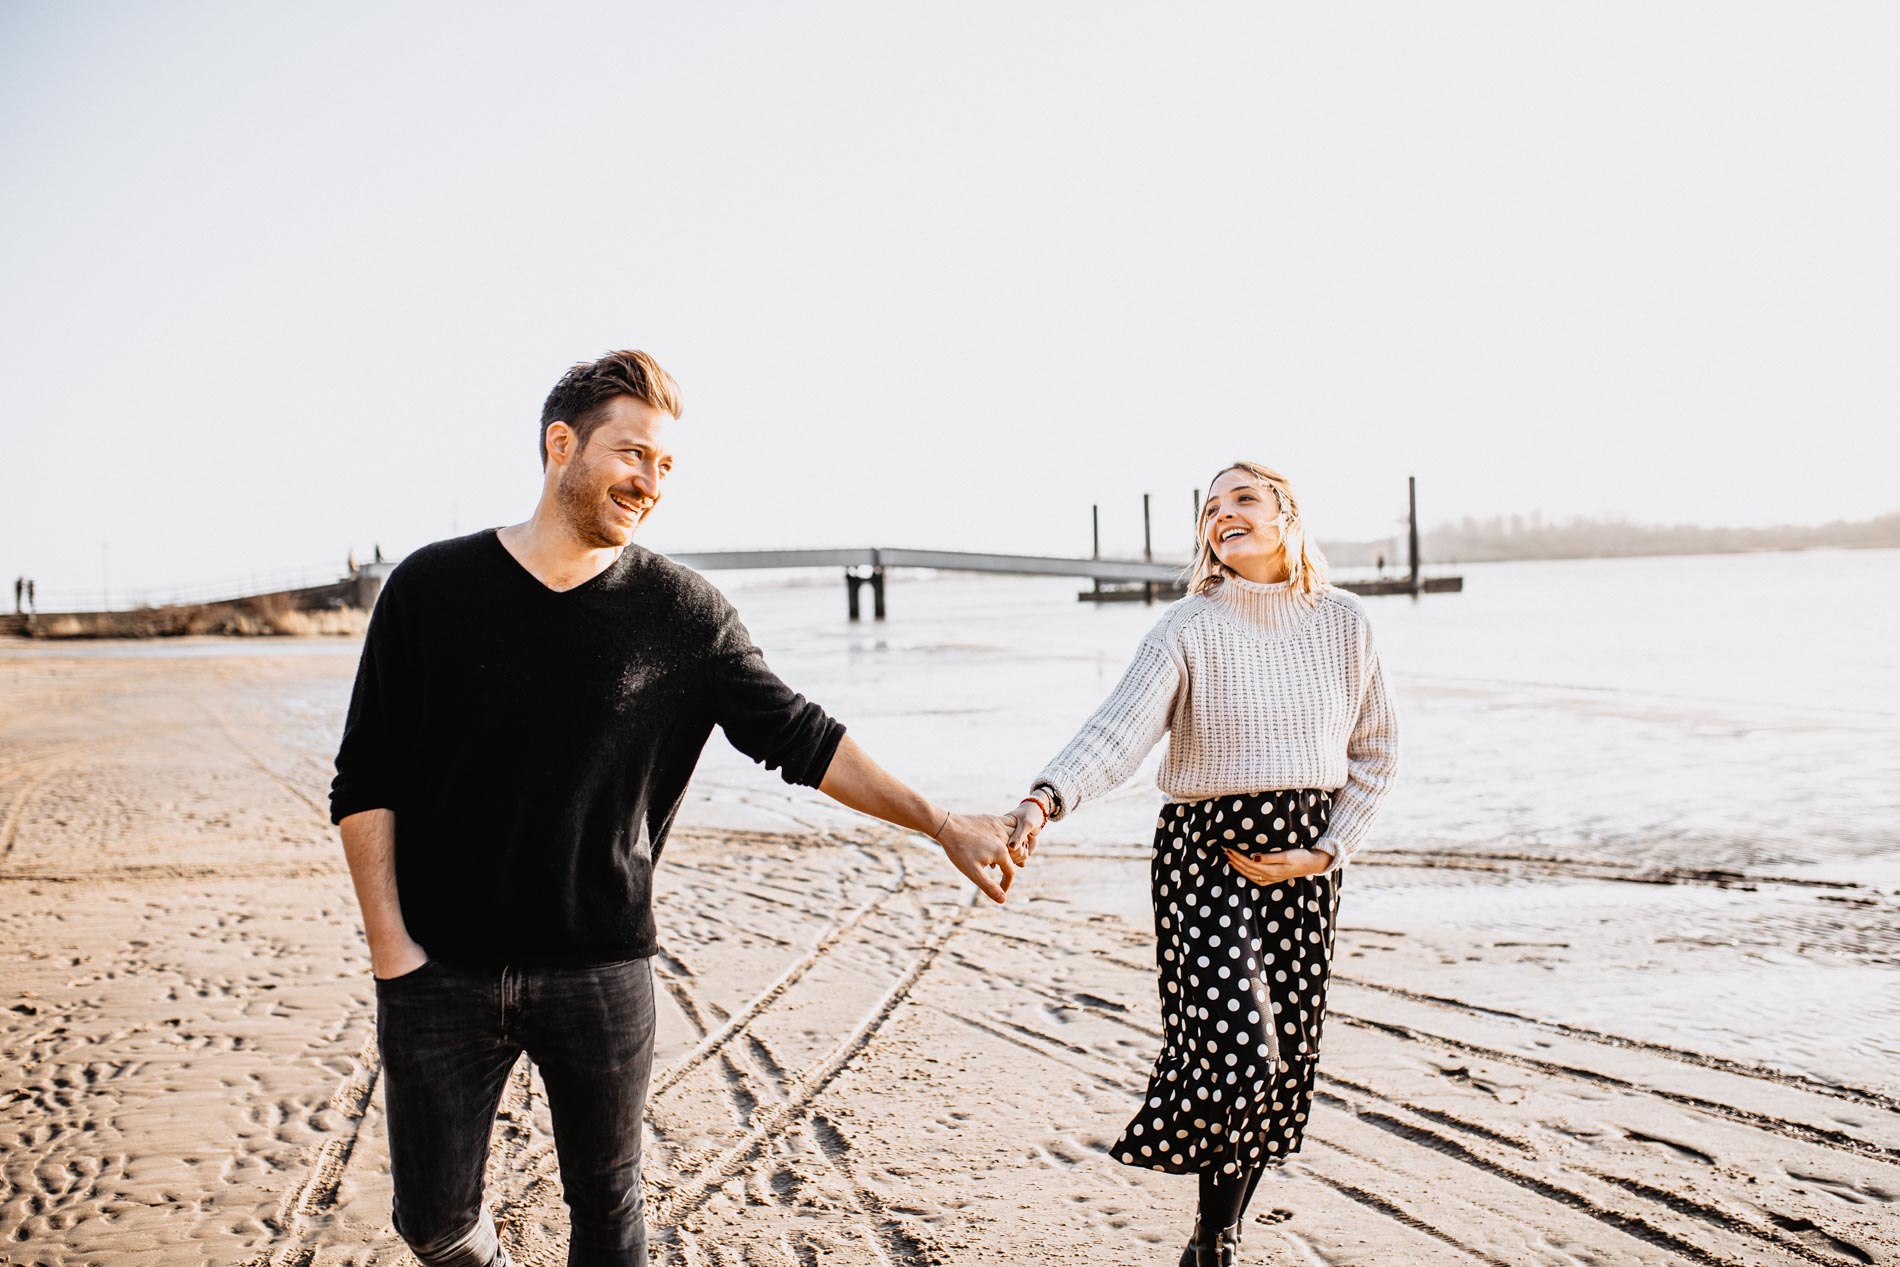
282 282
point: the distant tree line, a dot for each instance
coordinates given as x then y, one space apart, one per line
1472 540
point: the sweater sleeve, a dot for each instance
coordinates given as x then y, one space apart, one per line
762 716
1372 752
1127 726
369 760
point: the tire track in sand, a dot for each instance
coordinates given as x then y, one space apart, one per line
886 1238
1772 1236
318 1192
1742 1069
250 756
1633 1225
770 1120
1825 1137
736 1024
39 771
1389 1209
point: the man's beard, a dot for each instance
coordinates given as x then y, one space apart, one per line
584 508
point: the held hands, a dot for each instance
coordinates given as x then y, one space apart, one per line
1271 868
976 843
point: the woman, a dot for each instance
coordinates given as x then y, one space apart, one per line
1283 747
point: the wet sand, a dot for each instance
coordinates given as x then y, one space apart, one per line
1529 1060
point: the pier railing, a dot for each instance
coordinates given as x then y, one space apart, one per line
947 560
866 565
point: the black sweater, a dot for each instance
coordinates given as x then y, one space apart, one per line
535 745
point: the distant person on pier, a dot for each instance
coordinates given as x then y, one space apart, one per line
32 598
19 594
1283 746
529 707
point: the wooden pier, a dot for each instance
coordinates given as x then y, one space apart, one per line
876 557
867 565
1116 580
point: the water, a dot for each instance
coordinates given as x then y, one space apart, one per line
1733 711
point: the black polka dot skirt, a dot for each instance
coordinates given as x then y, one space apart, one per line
1243 980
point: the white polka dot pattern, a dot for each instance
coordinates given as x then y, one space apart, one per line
1243 974
1256 690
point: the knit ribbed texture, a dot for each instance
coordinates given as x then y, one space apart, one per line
1261 692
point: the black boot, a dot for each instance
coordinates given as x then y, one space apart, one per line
1217 1216
1222 1249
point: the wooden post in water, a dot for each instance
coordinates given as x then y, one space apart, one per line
1095 515
875 580
1147 549
1411 534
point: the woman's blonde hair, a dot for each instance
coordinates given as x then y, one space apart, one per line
1305 565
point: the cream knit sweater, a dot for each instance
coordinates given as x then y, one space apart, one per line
1262 692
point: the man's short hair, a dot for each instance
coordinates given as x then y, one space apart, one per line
581 398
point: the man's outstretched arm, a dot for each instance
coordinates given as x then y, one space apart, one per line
369 844
782 730
973 842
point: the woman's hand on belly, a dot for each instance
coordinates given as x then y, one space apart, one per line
1272 868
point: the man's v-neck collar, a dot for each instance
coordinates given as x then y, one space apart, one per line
494 535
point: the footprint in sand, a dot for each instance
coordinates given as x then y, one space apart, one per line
1843 1189
1683 1150
1807 1230
1499 1092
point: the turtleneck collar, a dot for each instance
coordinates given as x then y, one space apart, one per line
1273 607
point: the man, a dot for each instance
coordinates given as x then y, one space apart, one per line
529 706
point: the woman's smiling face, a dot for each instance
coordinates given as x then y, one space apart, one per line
1241 518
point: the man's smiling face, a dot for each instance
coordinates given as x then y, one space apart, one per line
608 488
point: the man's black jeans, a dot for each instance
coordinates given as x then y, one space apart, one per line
451 1033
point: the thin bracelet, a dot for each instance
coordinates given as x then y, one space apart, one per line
938 834
1033 799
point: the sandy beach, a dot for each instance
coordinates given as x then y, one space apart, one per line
857 1062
